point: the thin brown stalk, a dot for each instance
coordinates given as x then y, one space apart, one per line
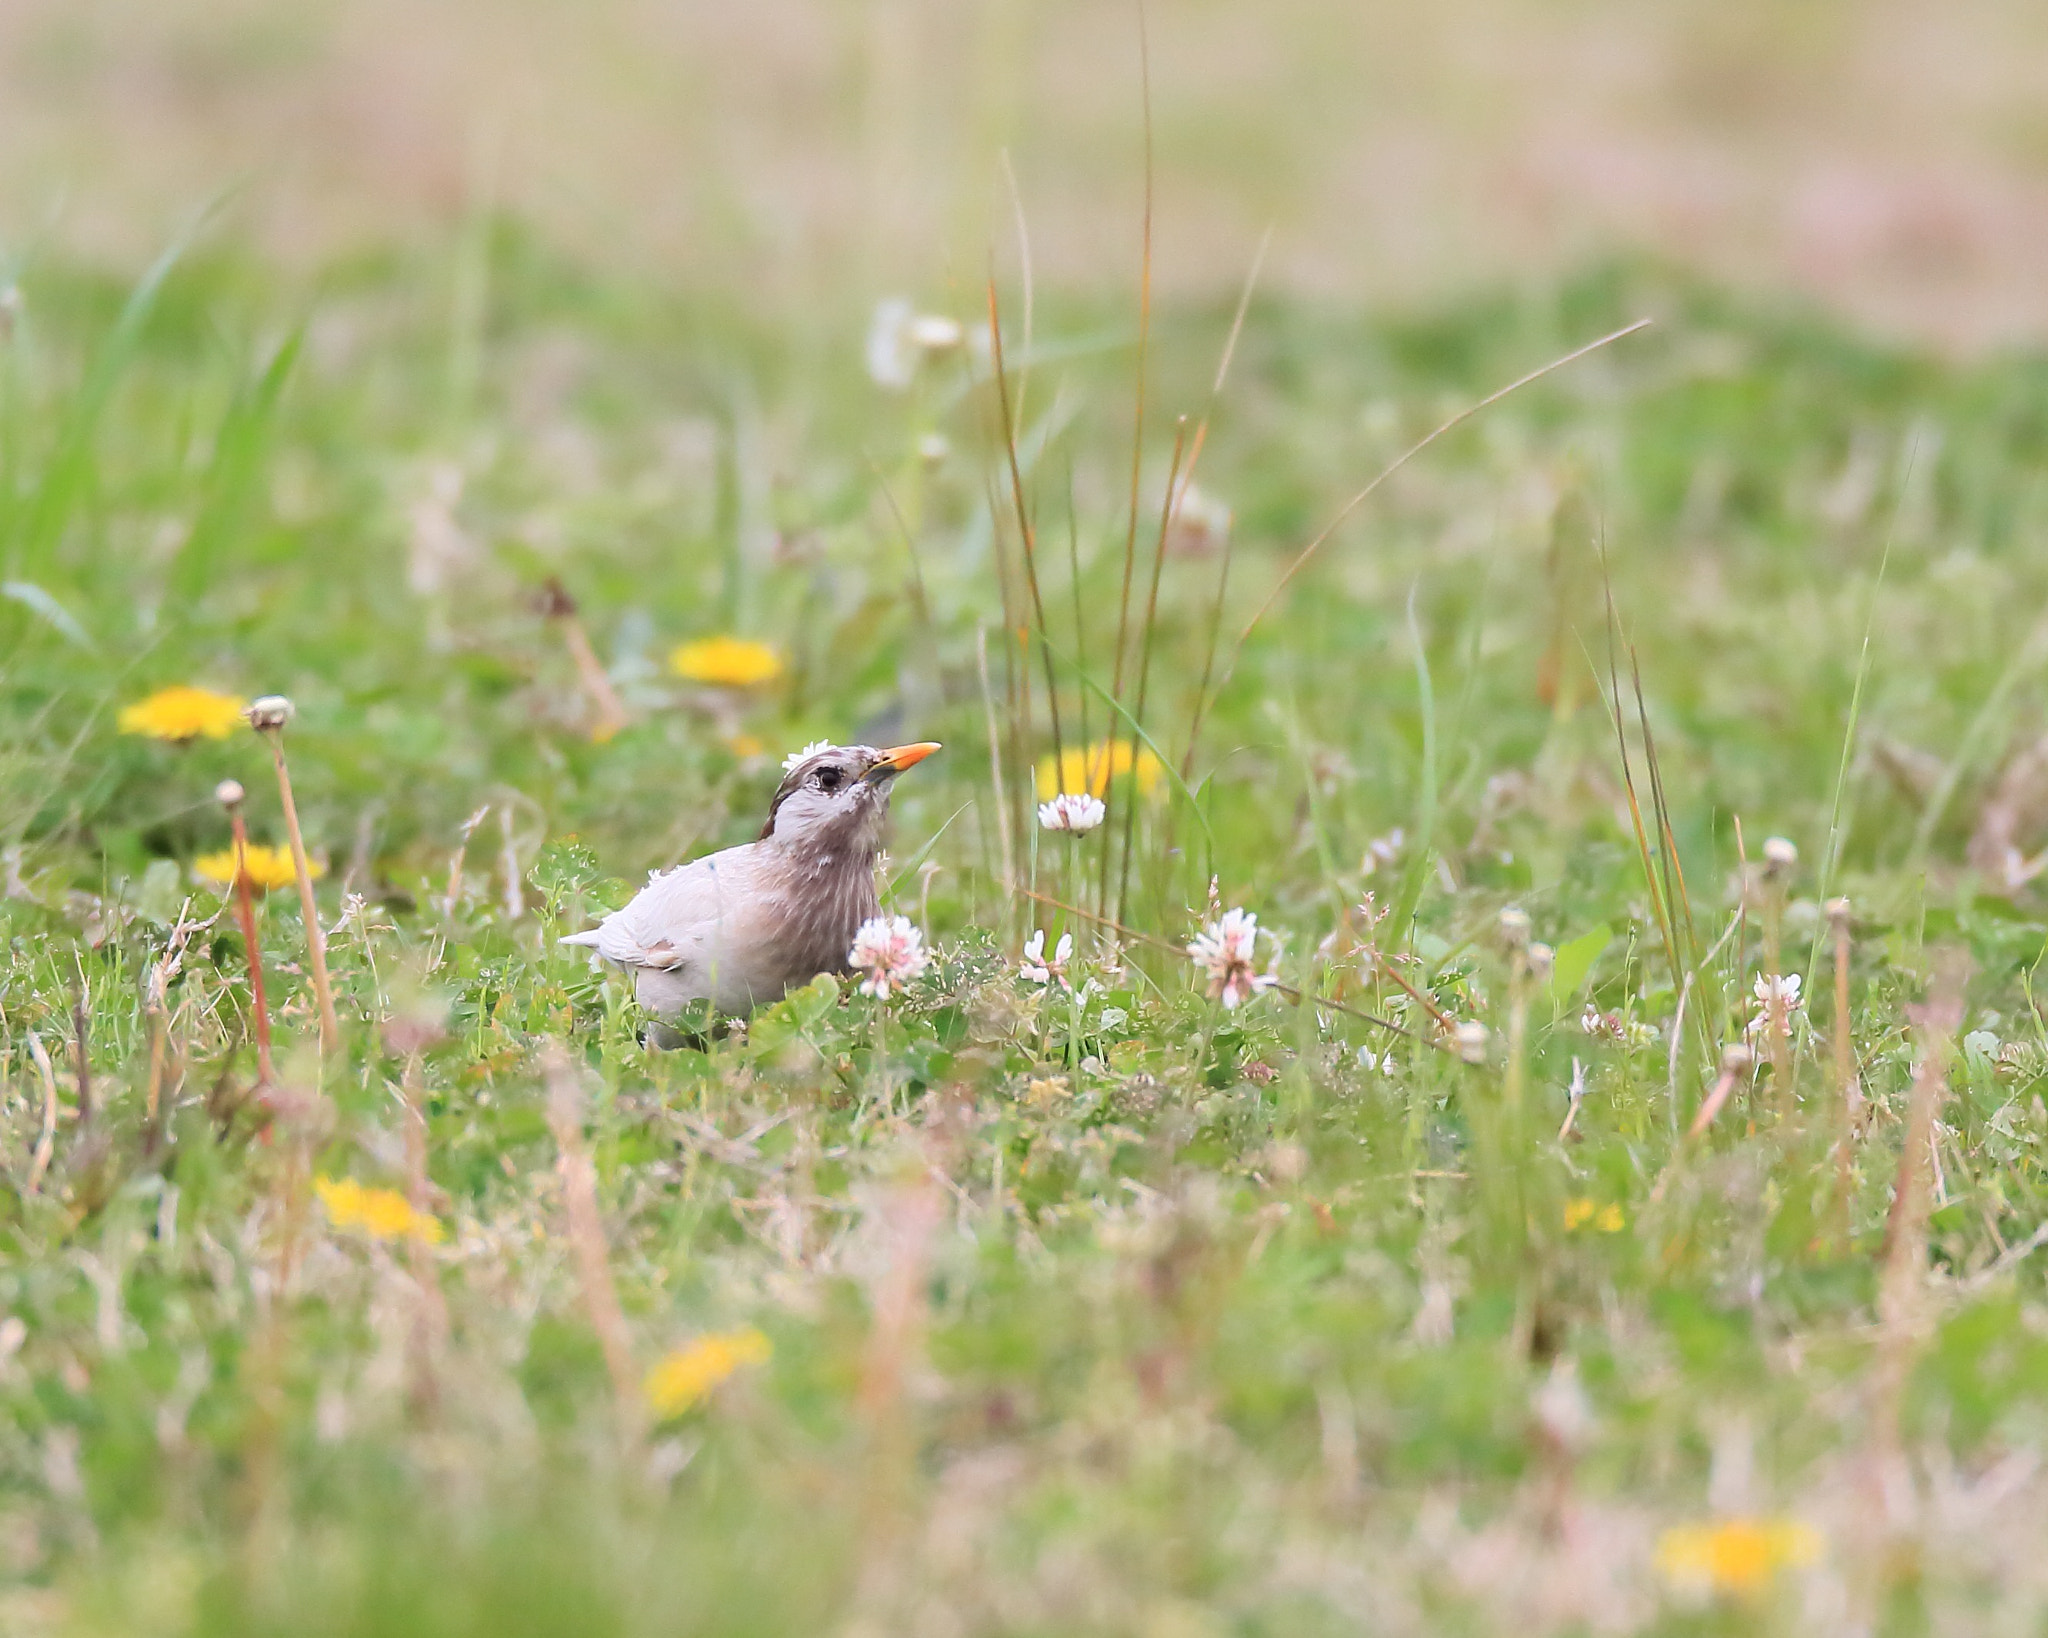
1301 558
1123 615
1847 1093
609 712
995 762
1735 1063
1145 662
81 1052
46 1140
585 1229
1901 1299
230 795
271 727
1201 704
453 898
515 882
1026 535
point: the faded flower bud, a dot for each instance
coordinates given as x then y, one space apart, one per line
1736 1059
268 714
1542 960
1514 928
1471 1041
1779 856
229 793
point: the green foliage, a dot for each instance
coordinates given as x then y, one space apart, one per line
1094 1306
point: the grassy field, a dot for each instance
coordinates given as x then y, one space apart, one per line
1000 1306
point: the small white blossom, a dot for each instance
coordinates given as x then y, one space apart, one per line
1071 811
1382 851
899 339
888 952
1037 969
1779 997
1226 948
805 754
1470 1040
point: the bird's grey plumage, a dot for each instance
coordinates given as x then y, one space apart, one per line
744 925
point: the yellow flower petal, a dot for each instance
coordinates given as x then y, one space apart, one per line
182 714
265 866
728 662
1739 1555
693 1370
1088 770
1578 1213
384 1214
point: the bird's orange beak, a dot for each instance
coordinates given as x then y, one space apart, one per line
894 761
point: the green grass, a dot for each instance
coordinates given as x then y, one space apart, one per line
1118 1314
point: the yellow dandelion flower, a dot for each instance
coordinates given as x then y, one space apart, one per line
1608 1219
265 866
694 1369
729 662
183 714
1740 1556
384 1214
1088 770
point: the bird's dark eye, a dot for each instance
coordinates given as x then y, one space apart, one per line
829 779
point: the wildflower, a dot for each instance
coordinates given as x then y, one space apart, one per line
1090 768
1779 855
805 754
265 867
1071 811
1470 1040
933 448
1382 851
1775 998
1199 524
1608 1219
726 662
1037 969
693 1370
1739 1555
1226 949
900 339
890 952
383 1214
1613 1026
269 713
183 714
744 746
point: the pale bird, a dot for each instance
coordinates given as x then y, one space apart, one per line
746 925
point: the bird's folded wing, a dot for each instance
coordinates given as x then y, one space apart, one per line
675 918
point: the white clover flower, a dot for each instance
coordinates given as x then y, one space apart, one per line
1779 997
1226 948
889 952
805 754
1072 811
1036 969
899 340
1382 851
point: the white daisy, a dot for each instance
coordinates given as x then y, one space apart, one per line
805 754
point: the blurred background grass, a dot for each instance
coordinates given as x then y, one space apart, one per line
1889 156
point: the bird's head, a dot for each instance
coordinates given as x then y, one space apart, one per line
837 797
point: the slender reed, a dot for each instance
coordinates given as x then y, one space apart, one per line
1848 1094
1173 479
230 795
46 1139
609 711
1779 858
268 717
578 1174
